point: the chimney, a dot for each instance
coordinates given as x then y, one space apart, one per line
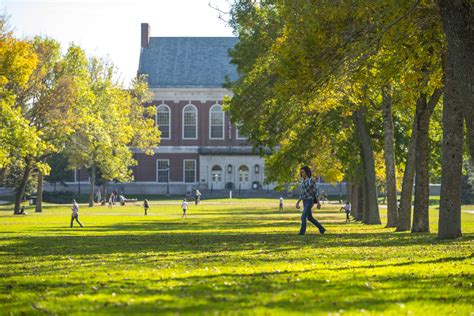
145 35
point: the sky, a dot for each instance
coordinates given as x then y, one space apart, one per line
111 28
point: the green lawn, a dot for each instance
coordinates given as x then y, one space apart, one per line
227 257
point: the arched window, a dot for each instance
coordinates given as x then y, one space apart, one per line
216 122
190 117
216 173
244 174
163 119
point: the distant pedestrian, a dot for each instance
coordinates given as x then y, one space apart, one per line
114 196
98 196
308 196
75 213
111 200
347 209
281 203
184 206
146 206
197 197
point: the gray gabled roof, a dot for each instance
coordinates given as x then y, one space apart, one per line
187 62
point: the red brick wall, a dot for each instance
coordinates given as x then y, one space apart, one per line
203 126
146 169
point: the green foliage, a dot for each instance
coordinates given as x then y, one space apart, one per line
305 66
14 174
109 120
227 257
60 172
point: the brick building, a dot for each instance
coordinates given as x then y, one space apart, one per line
199 147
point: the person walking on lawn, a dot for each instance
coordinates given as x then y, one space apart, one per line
308 196
184 206
347 209
146 206
75 213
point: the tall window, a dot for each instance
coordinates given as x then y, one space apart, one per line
162 169
216 122
237 132
216 173
189 171
244 174
190 122
163 116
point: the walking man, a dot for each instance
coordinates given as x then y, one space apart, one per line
308 196
75 213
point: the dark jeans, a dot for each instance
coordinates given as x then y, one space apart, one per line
307 214
75 217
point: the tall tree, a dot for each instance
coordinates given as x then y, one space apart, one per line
458 23
389 155
424 109
371 210
112 121
46 103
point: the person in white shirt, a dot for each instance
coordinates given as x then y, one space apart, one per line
75 213
281 203
184 206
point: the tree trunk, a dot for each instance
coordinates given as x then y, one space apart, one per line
20 192
371 210
355 198
457 16
92 188
360 202
349 187
424 110
421 221
404 214
39 194
3 172
389 155
358 208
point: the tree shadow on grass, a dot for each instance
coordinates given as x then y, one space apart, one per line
175 237
305 292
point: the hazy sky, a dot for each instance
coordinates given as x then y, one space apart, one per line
112 27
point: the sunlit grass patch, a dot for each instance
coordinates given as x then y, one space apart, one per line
231 257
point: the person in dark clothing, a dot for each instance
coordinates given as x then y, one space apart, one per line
308 192
146 206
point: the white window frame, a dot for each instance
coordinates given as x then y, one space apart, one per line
248 173
210 122
168 164
169 120
182 119
212 173
184 170
237 127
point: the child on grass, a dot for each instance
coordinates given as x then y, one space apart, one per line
184 206
281 203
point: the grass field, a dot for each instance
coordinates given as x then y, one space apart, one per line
227 257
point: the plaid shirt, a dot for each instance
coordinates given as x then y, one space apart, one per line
308 189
